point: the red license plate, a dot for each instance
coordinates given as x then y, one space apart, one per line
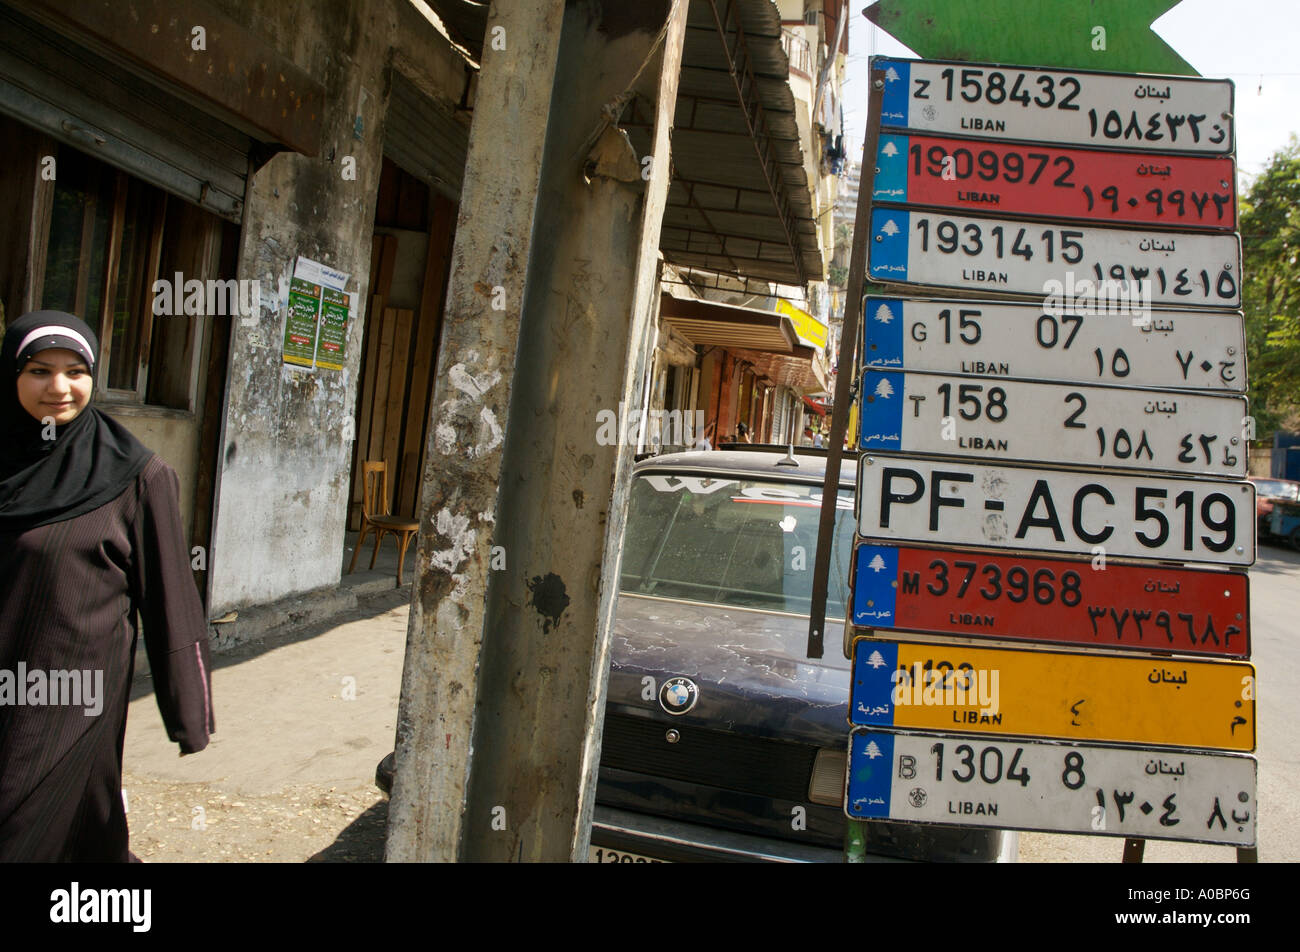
1051 601
1180 191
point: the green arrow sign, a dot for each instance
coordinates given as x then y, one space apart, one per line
1113 35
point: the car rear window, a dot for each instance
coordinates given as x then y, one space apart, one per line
743 542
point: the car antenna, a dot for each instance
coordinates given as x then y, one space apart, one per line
789 458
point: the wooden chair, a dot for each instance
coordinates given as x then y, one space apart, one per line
375 517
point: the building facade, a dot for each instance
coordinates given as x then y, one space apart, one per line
167 176
195 179
749 328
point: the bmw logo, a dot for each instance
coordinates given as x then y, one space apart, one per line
678 695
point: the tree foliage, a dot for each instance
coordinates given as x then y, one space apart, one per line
1270 233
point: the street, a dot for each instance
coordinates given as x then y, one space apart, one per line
289 775
1274 584
302 720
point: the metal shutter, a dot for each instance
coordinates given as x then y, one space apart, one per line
425 139
56 85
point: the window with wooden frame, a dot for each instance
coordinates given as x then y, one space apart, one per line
108 238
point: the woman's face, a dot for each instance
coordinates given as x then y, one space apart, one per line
55 383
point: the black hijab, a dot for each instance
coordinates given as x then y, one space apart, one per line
91 459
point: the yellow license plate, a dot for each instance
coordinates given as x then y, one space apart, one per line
1162 701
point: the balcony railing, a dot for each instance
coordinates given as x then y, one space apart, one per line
798 50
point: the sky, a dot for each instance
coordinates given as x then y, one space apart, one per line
1255 43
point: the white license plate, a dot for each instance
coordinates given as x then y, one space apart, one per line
601 854
1177 349
1070 107
1054 787
1040 510
1110 427
941 250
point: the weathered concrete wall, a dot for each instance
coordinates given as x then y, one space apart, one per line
174 437
1260 462
283 478
433 67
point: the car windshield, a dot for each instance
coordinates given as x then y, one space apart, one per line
743 542
1276 487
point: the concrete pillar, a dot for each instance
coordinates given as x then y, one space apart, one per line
514 660
468 411
281 482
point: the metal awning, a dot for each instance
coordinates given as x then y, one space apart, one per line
764 339
709 324
740 200
465 22
424 138
54 83
801 371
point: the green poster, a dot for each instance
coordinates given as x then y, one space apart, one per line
333 346
300 327
316 329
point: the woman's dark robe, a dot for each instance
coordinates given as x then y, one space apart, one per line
69 596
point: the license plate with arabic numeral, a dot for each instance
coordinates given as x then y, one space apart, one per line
601 854
940 250
1195 350
1078 603
1191 796
1073 424
1162 702
1189 191
1070 107
1123 516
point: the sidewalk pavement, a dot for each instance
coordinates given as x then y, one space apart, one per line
303 716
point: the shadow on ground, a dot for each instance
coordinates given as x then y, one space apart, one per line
1275 557
362 841
368 607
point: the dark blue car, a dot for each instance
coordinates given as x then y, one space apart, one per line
723 740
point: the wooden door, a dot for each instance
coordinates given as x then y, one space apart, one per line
399 356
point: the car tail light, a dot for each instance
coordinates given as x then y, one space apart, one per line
827 784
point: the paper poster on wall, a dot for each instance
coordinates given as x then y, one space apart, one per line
315 330
333 345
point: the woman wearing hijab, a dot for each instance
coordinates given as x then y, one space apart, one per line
90 538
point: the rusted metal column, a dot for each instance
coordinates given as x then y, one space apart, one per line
471 398
536 664
844 379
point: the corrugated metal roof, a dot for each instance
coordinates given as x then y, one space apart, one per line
728 209
465 20
723 214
